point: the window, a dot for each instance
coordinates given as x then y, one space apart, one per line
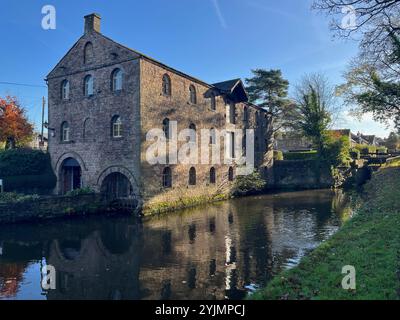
88 87
193 128
192 176
232 113
166 85
213 177
193 95
166 128
213 102
258 118
116 80
245 114
65 133
88 53
116 127
232 145
167 178
213 136
65 90
86 130
230 174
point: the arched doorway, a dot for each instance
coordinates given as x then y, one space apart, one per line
117 186
71 175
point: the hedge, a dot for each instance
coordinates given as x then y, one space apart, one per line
304 155
26 171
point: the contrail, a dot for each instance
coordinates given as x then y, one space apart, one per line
219 14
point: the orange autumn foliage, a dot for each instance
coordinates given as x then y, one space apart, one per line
14 125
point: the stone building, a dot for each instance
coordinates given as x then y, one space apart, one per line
104 99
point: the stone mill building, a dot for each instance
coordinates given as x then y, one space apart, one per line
104 98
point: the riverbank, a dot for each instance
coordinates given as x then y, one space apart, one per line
370 242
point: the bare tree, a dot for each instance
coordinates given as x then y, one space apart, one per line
374 22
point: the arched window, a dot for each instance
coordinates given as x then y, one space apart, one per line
193 128
88 86
167 178
65 133
116 127
65 90
258 118
192 176
86 129
213 136
166 128
116 80
213 176
88 53
166 85
230 174
193 95
213 102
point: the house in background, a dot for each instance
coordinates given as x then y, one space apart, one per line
37 143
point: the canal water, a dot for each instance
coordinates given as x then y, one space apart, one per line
219 251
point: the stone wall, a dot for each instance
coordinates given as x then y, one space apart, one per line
301 174
50 208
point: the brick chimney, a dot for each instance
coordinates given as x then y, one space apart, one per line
92 23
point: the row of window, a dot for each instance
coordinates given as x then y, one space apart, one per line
116 129
88 85
192 181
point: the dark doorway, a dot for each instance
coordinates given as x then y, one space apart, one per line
71 174
117 186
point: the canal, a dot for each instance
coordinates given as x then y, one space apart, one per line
219 251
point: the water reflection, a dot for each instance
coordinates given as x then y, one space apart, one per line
212 252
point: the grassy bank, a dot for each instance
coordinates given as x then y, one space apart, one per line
370 242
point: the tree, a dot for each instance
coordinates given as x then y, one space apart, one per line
371 21
375 90
393 142
314 101
15 129
269 90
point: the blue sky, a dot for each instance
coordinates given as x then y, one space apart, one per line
213 40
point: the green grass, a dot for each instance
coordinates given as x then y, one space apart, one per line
370 242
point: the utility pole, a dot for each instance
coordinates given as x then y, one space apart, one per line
42 138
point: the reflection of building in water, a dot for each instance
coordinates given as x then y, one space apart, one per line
206 253
102 266
206 260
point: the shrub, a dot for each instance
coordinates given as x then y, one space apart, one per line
365 149
303 155
337 152
26 171
19 162
12 197
381 150
79 192
355 154
250 184
278 155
